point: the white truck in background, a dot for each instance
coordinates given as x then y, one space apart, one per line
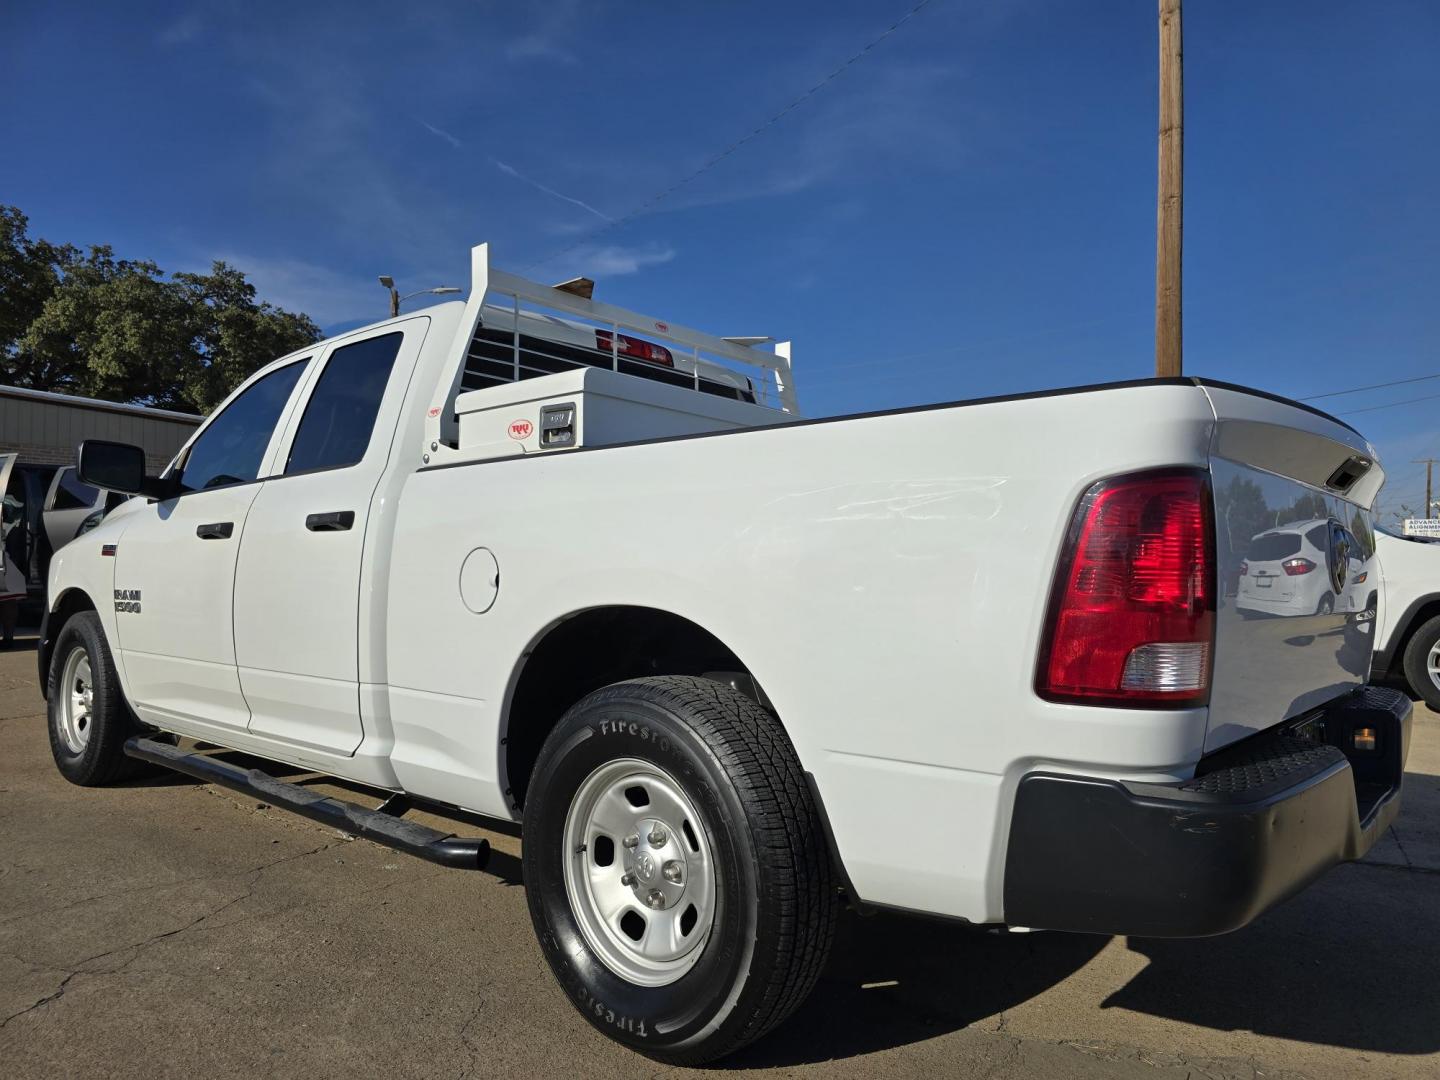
547 560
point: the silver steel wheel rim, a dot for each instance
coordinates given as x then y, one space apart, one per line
77 701
640 878
1432 664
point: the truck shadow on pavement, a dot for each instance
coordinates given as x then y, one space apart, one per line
894 980
1323 969
1349 962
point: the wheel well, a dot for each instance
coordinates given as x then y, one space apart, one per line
596 648
70 604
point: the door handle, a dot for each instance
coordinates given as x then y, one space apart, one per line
334 521
218 530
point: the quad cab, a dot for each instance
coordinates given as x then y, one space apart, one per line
556 562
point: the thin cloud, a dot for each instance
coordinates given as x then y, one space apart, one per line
614 260
326 296
439 133
539 47
184 29
514 173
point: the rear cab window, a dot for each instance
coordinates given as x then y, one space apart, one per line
339 418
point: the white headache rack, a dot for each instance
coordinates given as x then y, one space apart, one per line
516 330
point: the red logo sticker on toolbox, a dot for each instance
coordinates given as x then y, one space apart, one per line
521 429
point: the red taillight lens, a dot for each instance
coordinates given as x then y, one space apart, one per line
1132 612
634 348
1296 567
1244 568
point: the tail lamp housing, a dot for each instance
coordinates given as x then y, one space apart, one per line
1297 567
1132 609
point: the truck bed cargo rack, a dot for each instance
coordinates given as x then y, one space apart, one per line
514 330
381 825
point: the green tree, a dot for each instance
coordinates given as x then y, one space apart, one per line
1306 507
29 273
118 329
1243 513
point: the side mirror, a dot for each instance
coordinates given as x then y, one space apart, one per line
117 467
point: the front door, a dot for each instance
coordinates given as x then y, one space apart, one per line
297 586
175 564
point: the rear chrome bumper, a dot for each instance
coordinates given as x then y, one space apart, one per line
1260 821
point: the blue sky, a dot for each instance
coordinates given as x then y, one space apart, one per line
967 210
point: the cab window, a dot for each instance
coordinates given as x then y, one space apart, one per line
229 450
340 416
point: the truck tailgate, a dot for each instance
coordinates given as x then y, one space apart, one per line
1295 561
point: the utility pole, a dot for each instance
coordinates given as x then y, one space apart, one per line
1429 464
387 282
1168 214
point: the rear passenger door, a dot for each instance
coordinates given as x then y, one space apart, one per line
297 586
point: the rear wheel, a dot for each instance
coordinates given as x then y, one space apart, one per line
1326 605
88 718
675 867
1421 662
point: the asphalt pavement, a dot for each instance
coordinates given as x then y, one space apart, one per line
169 928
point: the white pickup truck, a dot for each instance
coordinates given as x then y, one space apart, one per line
544 559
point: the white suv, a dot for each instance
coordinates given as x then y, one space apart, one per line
1407 644
1304 568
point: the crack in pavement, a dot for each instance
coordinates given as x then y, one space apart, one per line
107 895
140 947
1403 853
473 1050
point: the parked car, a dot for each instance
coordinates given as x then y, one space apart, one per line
1407 639
1305 568
553 561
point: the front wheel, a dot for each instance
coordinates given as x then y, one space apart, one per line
675 867
88 718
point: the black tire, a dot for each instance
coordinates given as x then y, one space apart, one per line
775 903
1415 662
1326 605
102 759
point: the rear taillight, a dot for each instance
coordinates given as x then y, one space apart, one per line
1296 567
1244 568
1132 611
634 348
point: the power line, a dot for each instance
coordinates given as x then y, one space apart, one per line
736 145
1374 386
1388 405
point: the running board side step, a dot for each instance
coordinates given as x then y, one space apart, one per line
378 825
